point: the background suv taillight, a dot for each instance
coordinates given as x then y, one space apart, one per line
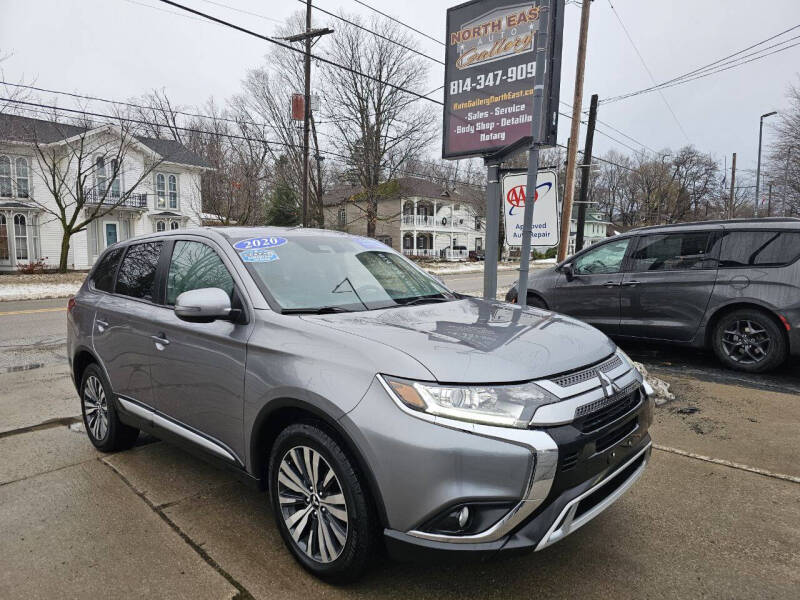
71 304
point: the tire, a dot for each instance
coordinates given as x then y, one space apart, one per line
100 418
346 523
749 340
535 301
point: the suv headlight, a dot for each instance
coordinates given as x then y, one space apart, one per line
502 405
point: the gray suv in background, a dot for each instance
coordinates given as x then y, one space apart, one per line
372 402
733 286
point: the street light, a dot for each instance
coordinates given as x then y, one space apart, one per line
758 170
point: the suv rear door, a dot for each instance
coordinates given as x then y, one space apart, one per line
668 284
592 294
122 330
198 367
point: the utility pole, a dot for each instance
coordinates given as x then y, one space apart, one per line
769 201
572 152
758 169
733 187
307 36
586 173
786 179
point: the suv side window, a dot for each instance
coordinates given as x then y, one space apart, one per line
605 259
194 266
137 273
760 248
103 276
688 251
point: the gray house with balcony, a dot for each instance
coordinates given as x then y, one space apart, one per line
421 219
155 187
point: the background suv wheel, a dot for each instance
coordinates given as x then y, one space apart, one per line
749 340
103 426
321 507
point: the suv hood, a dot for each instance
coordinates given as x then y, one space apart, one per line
477 341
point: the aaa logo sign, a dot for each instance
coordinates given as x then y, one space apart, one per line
545 230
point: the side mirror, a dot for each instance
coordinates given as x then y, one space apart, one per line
204 304
569 271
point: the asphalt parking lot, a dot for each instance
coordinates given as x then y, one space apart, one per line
717 514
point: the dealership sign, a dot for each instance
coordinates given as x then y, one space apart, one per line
545 230
489 74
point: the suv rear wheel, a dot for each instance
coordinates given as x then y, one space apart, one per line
320 504
749 340
103 426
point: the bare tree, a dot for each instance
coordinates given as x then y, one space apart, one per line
378 127
13 93
783 162
81 175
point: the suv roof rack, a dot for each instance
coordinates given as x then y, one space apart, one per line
721 222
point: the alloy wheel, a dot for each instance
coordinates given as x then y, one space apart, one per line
95 407
746 342
312 504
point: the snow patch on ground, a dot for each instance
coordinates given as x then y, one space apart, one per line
37 291
660 387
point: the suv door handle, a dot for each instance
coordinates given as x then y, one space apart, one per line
630 283
610 284
101 325
160 340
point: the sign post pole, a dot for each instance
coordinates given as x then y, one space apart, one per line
493 202
533 152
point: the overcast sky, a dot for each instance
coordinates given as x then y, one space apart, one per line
122 48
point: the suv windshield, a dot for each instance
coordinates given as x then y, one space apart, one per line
331 274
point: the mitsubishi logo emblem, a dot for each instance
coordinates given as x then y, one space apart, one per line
609 387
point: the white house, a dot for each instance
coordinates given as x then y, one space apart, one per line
162 176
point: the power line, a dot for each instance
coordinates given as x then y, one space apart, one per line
649 72
243 11
110 119
399 22
298 50
703 75
375 33
610 126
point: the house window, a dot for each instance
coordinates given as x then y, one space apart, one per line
22 178
161 225
21 236
477 223
173 191
173 225
161 191
385 239
342 217
100 176
5 253
114 190
5 176
456 207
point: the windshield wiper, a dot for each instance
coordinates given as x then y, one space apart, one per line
322 310
422 300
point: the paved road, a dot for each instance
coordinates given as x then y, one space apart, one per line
32 333
473 282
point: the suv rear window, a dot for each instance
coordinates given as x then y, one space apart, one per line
137 274
760 248
103 278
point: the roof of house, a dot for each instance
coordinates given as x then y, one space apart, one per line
409 187
15 128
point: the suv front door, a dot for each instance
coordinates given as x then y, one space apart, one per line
198 367
592 294
668 284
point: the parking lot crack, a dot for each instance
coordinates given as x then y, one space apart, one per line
50 423
242 592
728 463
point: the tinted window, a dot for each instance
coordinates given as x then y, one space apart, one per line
603 259
137 274
759 248
674 252
195 266
103 278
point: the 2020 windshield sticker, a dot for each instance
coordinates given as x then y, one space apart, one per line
258 255
260 242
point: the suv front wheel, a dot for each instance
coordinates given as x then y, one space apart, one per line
100 419
320 504
749 340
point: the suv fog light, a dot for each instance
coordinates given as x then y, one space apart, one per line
463 517
468 519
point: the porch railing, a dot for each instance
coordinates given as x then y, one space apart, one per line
112 198
444 253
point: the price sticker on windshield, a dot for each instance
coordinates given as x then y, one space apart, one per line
259 242
258 255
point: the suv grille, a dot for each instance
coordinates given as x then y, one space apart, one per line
585 375
619 405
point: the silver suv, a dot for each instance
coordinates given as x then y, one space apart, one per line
372 402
